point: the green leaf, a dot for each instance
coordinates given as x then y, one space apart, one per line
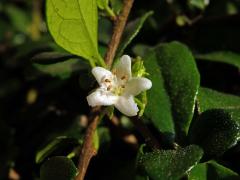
176 81
50 57
158 108
181 79
73 25
140 49
63 69
216 131
170 164
131 31
19 18
116 5
227 57
211 99
104 136
58 167
57 143
200 4
104 31
102 4
212 171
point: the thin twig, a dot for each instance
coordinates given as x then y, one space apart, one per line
117 32
88 150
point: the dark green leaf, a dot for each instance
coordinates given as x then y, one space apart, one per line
210 99
104 31
227 57
62 69
50 57
19 19
57 143
73 25
216 131
158 108
116 5
131 31
181 79
140 49
170 164
58 167
212 171
175 84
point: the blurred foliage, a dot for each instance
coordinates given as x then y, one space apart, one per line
196 86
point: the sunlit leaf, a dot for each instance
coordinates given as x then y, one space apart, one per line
73 25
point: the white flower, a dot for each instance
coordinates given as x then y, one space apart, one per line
118 87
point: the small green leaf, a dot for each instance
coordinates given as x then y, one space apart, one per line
116 5
131 31
50 57
141 49
211 99
104 137
73 25
170 164
58 167
19 18
96 140
102 4
57 143
212 171
104 32
63 69
200 4
227 57
216 131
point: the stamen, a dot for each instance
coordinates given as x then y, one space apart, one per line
123 77
107 80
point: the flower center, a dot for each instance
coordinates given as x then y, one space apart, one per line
115 85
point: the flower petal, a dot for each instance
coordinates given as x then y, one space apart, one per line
100 97
123 68
127 106
100 73
137 85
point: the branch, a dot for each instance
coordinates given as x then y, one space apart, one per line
117 32
88 151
